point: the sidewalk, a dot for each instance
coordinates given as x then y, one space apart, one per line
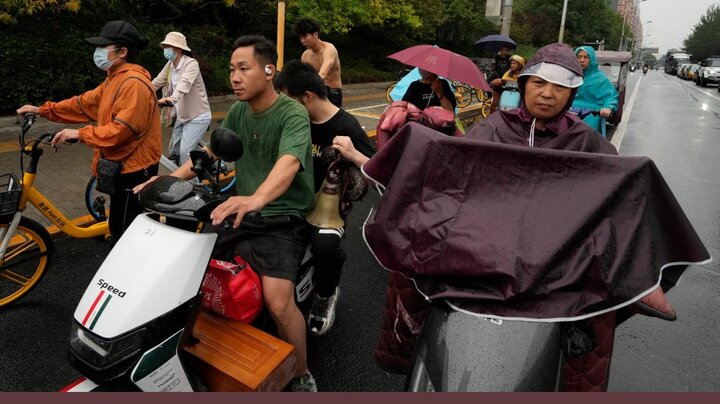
63 175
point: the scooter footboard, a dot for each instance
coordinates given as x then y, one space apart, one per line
461 352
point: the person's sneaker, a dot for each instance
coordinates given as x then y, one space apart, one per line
304 384
322 313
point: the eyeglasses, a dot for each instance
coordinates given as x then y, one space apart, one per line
583 57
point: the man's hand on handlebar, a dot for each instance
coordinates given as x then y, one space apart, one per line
140 187
65 136
236 205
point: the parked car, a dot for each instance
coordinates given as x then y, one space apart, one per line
709 71
615 66
682 70
691 72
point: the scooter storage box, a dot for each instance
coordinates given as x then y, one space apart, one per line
229 355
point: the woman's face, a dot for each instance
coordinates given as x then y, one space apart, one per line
426 75
584 59
514 65
545 100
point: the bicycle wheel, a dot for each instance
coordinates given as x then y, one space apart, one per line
463 96
90 195
485 109
480 95
388 91
25 261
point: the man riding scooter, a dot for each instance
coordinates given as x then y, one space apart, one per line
275 177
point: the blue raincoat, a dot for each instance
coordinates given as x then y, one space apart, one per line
597 91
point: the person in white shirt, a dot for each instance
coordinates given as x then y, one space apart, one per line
183 87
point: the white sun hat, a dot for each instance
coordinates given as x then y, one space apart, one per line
175 39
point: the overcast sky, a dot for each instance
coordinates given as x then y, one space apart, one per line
672 21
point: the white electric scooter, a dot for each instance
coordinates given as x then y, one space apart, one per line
142 303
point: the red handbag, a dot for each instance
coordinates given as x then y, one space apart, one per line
232 290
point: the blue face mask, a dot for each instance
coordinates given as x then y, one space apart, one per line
169 54
100 57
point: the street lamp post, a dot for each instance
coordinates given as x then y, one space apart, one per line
280 34
622 35
562 22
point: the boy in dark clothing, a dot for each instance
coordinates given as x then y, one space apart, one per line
329 126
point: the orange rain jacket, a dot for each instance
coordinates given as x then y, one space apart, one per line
128 119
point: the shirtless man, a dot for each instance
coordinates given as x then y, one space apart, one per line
322 56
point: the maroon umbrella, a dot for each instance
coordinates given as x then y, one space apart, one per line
444 63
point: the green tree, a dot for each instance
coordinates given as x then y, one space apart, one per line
341 16
704 40
537 22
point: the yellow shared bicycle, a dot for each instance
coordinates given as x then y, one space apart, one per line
25 245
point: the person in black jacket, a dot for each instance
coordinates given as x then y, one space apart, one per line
329 126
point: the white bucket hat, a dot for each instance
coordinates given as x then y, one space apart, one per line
175 39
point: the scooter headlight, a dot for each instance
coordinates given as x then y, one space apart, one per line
99 352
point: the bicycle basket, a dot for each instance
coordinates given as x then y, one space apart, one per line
9 196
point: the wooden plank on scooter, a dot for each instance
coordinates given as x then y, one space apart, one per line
230 355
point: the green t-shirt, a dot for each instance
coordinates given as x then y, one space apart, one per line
282 129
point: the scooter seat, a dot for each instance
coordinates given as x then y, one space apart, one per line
167 189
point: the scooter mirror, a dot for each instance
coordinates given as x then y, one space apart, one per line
226 144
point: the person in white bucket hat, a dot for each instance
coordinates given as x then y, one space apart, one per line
183 88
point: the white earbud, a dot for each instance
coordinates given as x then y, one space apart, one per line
268 70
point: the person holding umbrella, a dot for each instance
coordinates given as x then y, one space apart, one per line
430 91
501 62
433 61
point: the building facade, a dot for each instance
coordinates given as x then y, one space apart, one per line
630 10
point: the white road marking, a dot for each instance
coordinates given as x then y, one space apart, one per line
627 112
372 106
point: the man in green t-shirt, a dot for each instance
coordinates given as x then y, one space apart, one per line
275 178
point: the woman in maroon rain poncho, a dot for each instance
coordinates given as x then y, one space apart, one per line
547 85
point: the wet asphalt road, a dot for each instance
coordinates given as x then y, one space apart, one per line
677 124
673 122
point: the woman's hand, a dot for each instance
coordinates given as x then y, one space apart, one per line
65 136
605 112
437 88
28 109
140 187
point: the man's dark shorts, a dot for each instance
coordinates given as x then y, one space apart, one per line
335 96
274 246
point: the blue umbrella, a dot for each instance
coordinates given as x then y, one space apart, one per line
493 43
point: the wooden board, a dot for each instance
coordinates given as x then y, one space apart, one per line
230 355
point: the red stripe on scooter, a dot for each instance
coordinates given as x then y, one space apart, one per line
72 385
97 300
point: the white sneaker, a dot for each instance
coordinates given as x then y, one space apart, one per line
322 313
304 384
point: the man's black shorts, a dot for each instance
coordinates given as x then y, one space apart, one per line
274 246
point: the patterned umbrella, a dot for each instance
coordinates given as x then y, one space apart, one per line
444 63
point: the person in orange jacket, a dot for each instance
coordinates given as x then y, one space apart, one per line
128 119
